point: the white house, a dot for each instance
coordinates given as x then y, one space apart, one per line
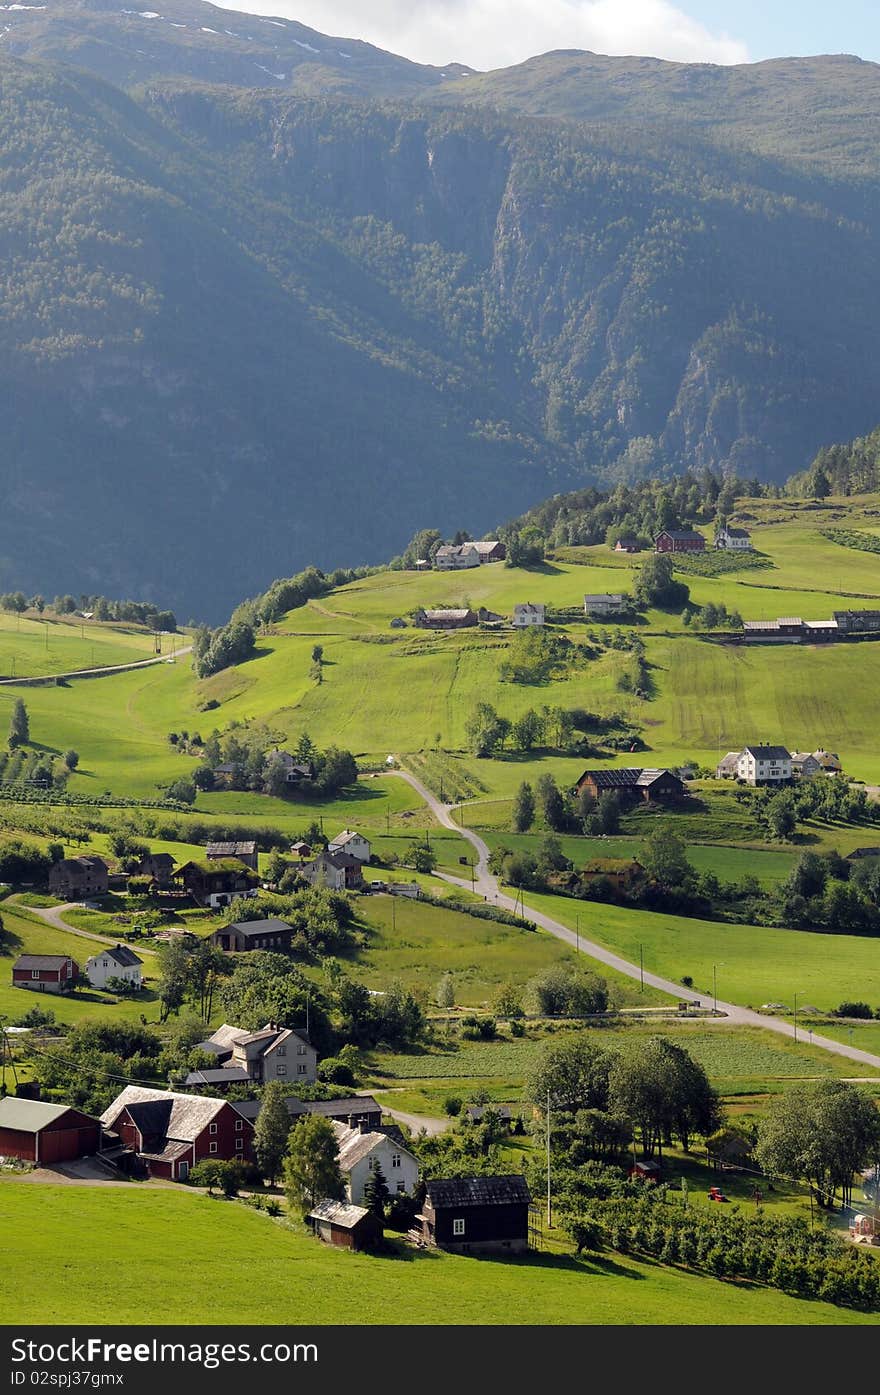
119 962
734 539
273 1053
361 1150
727 767
804 765
355 844
605 604
764 765
455 559
528 614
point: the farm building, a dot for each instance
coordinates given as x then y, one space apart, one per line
630 545
355 844
245 852
473 1214
857 622
340 1223
733 540
118 962
454 559
44 1133
829 761
679 540
633 784
171 1132
245 935
159 867
45 973
352 1111
727 767
296 772
217 881
764 765
273 1053
527 614
216 1078
605 604
361 1152
75 878
619 871
460 619
301 850
338 871
490 550
804 765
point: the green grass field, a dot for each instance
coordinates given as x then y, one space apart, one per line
66 1252
62 644
754 964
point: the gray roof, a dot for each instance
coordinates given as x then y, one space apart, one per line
271 926
180 1117
354 1145
355 1105
30 1116
479 1191
223 1075
122 955
769 752
41 961
340 1213
230 849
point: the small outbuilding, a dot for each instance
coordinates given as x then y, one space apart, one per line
340 1223
470 1215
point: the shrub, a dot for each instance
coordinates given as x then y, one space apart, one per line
854 1010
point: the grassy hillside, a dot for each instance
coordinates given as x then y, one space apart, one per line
244 1268
59 644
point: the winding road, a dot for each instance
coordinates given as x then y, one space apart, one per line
40 678
54 916
489 887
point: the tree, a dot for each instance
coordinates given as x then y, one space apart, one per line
780 816
527 730
71 759
551 803
823 1133
664 858
19 726
276 866
655 585
424 858
272 1130
573 1073
663 1091
317 653
560 992
523 808
446 992
376 1192
508 1001
182 791
481 730
311 1169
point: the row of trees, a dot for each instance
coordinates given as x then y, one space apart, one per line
133 612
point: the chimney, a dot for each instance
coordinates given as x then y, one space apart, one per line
364 1126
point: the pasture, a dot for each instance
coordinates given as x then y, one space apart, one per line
61 1261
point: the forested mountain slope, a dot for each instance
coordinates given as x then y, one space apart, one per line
249 324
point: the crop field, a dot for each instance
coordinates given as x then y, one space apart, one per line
62 1261
769 866
754 964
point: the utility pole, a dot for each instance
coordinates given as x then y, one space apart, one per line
641 970
795 1016
393 913
714 991
577 932
473 875
549 1204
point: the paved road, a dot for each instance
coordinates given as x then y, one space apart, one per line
96 672
416 1121
488 886
53 915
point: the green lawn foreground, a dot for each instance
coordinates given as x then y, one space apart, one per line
159 1255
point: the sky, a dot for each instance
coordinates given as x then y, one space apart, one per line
496 33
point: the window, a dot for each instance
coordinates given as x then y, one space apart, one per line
35 973
301 1050
280 1069
395 1160
401 1186
282 1051
213 1128
239 1125
212 1147
458 1225
239 1143
301 1070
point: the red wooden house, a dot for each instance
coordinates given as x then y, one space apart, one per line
172 1132
679 540
45 973
45 1133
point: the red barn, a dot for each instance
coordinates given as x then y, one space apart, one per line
679 540
45 973
172 1132
46 1133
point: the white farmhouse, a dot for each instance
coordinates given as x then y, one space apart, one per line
733 539
361 1150
119 962
355 844
606 603
764 765
528 614
450 558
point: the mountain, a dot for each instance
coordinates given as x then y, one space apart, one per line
198 40
244 329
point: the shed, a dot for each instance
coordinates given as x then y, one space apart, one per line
477 1214
340 1223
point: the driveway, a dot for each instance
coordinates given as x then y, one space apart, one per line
53 915
490 889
